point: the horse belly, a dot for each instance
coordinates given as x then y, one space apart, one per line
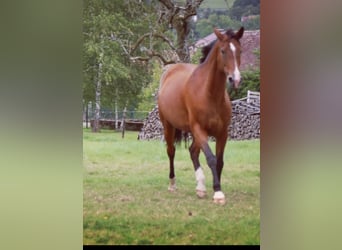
171 107
176 116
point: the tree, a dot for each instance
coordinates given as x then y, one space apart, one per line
105 66
166 39
244 8
147 98
252 23
172 28
180 18
96 25
205 27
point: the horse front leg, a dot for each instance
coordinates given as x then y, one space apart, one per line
201 138
218 197
220 146
200 178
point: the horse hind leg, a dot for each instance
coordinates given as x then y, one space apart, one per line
169 133
200 178
171 153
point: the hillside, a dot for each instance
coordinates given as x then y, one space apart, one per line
216 4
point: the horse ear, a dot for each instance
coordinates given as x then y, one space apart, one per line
218 34
239 34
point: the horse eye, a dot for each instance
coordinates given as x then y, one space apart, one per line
223 52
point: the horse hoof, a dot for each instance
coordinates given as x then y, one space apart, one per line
200 193
219 198
220 201
172 185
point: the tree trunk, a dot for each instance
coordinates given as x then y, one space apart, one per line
116 110
182 50
179 18
87 114
176 15
182 29
123 123
96 124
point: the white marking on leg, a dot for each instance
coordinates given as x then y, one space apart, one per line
236 74
200 179
172 187
219 197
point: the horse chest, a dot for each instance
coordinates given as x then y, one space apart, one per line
211 120
215 121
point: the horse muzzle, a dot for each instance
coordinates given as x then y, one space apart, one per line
234 82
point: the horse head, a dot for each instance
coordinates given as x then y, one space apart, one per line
229 53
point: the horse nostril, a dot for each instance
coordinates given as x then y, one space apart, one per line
230 79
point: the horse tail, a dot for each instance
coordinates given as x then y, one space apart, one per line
181 136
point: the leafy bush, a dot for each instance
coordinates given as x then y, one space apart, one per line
250 81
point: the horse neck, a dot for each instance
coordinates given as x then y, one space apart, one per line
216 80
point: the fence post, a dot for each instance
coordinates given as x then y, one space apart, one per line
123 125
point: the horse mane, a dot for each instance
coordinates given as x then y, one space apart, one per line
206 49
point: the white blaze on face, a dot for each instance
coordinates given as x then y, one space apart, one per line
236 74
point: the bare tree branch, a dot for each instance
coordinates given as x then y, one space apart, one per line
141 39
179 18
153 54
135 46
167 3
165 39
165 62
176 17
150 53
191 9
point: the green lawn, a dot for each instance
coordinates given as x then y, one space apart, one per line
126 200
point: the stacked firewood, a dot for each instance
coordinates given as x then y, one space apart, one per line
241 106
244 126
245 122
152 128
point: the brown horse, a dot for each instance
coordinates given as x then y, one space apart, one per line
193 98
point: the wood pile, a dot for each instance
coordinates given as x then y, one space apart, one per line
245 122
152 128
244 126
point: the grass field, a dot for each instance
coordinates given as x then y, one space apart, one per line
126 200
216 4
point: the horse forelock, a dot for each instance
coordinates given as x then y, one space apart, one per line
230 33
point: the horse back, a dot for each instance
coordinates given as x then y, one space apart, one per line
177 73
